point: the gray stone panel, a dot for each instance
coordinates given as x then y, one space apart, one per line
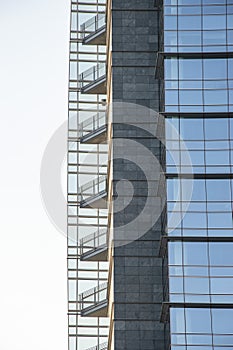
138 290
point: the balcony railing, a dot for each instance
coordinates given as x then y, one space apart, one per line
93 242
93 190
92 75
93 297
103 346
93 25
92 125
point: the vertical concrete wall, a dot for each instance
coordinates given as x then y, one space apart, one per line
137 271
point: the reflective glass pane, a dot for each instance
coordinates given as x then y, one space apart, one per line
195 253
198 320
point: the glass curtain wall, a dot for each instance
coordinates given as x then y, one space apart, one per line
86 164
197 50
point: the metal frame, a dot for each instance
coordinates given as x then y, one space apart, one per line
86 162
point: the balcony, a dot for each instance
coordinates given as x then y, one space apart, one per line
94 129
94 194
93 31
103 346
93 302
93 80
94 247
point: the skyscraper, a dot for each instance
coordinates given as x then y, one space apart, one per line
150 189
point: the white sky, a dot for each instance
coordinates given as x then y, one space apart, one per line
33 103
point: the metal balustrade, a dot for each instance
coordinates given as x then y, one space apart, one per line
92 75
93 190
93 25
94 242
93 297
92 125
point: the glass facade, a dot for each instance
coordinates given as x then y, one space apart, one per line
198 85
198 103
87 168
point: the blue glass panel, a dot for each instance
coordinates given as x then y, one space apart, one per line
216 97
217 158
190 69
173 189
189 48
175 253
191 129
170 10
223 339
215 68
177 320
194 220
196 271
220 233
170 38
198 320
190 84
216 145
175 271
212 22
220 206
171 97
189 22
214 10
230 68
221 271
214 37
197 298
199 348
230 37
195 233
189 38
215 84
198 193
195 285
171 69
214 2
188 2
230 21
170 23
176 285
189 10
191 97
194 144
172 128
199 339
230 8
231 96
218 190
171 84
221 254
173 219
195 253
220 220
216 108
216 129
193 206
178 339
222 285
197 158
192 109
222 321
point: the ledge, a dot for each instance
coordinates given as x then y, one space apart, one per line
96 38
